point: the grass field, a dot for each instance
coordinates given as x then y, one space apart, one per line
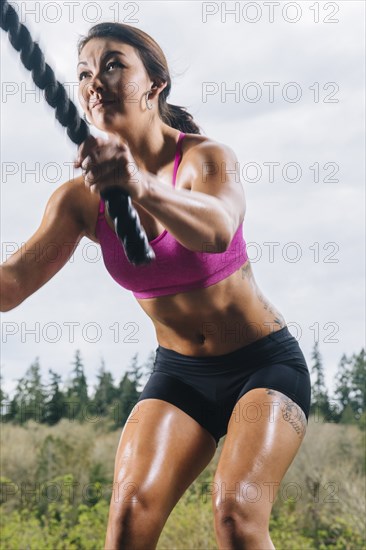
56 485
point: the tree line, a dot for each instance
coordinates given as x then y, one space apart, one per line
347 404
73 399
49 403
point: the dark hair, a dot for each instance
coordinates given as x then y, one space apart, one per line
156 66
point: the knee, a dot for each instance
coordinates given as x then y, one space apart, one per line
128 495
127 511
133 522
240 521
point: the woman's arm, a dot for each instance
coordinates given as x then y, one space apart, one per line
48 250
205 218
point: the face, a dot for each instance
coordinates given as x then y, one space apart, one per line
112 71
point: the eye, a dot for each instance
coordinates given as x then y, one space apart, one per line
110 64
81 75
114 63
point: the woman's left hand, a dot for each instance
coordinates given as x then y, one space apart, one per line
109 164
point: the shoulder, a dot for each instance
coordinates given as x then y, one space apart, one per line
212 167
206 159
73 197
204 155
71 189
196 146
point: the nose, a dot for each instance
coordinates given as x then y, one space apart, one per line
94 87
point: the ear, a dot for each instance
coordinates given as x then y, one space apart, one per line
157 88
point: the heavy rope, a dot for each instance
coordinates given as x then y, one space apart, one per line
125 218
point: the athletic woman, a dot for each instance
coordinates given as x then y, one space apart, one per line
226 363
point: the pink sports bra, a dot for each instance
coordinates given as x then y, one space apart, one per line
175 268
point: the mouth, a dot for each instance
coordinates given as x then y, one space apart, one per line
101 104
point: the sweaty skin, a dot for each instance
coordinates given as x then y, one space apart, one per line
209 321
162 449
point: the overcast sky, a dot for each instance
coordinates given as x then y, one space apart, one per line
297 73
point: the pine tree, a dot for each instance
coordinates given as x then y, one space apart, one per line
77 394
105 392
127 399
359 383
319 395
4 403
351 387
343 385
128 393
55 405
136 373
29 401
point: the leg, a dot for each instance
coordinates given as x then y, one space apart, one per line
160 453
264 434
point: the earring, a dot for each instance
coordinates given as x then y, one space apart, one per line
86 120
149 105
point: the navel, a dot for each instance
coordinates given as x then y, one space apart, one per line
201 338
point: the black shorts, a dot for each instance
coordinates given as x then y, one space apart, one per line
207 388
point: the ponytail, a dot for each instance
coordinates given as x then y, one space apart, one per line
179 118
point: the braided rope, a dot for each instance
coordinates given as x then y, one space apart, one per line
125 218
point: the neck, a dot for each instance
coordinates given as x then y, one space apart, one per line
153 147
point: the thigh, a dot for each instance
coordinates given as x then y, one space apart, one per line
289 377
264 434
160 453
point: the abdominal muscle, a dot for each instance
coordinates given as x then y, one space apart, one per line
214 320
207 321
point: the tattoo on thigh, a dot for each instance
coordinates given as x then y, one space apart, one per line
291 412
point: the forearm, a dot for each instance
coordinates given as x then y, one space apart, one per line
197 220
8 299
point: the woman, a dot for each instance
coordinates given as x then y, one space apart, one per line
226 363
